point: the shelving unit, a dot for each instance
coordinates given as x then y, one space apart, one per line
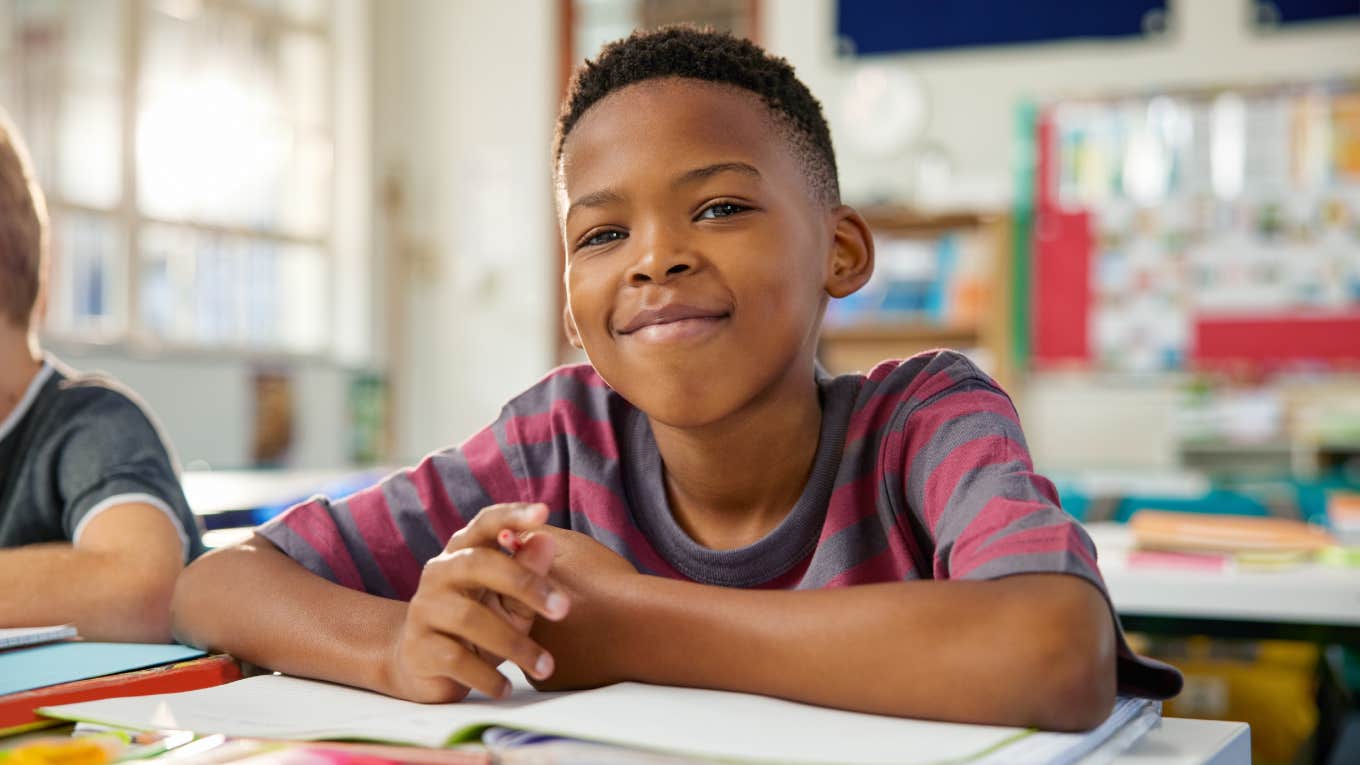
861 345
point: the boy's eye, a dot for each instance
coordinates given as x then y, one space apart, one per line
721 210
604 237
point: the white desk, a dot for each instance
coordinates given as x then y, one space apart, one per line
1192 742
1319 601
219 491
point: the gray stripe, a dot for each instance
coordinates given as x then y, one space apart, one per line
865 450
844 550
975 489
568 454
562 385
950 436
464 491
1048 516
374 581
1060 562
297 548
410 518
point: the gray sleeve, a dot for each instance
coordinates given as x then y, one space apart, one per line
112 454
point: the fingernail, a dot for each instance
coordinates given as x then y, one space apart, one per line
544 666
556 605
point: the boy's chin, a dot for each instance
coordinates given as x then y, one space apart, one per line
680 405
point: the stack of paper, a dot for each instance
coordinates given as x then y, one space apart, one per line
685 721
13 637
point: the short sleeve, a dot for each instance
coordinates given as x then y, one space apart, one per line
971 485
112 454
378 540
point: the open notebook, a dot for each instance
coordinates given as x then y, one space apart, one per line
699 723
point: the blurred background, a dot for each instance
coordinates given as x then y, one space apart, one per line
317 236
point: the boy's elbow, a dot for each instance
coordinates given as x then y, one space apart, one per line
154 600
1075 670
188 597
1078 693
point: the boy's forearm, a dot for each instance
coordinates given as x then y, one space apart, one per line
257 604
1028 650
107 595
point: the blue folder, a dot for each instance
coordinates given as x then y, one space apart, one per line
24 669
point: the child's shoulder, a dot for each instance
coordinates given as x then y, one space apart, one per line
97 399
574 386
922 377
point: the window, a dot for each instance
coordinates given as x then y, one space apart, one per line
186 148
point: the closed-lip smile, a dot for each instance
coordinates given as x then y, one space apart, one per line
669 314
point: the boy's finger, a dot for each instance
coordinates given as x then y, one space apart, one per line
446 656
484 528
535 552
467 570
478 625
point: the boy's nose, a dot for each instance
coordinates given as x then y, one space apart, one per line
660 265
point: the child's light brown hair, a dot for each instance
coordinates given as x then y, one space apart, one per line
23 230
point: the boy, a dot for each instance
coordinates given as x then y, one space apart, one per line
698 506
94 528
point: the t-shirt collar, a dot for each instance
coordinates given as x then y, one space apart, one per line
26 402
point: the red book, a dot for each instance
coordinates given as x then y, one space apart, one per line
16 709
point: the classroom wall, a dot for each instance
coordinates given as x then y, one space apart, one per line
1071 421
971 94
465 97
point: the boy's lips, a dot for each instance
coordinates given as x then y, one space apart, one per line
673 313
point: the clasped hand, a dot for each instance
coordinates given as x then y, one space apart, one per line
476 606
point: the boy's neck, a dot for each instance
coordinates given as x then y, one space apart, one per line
731 482
20 361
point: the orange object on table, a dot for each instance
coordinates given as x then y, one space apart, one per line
1195 532
16 709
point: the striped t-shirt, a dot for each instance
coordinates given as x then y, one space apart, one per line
921 472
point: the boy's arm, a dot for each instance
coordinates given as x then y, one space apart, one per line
1029 650
114 583
260 605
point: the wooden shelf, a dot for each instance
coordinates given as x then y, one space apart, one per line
909 332
904 221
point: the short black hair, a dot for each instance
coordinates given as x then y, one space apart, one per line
706 55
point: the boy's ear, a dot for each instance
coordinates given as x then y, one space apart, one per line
852 253
569 326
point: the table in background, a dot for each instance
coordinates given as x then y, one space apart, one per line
1311 601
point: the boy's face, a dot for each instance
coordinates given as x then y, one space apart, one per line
697 256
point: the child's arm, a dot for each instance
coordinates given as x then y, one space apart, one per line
258 604
1030 650
114 583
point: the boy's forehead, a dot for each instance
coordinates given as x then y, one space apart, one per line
669 123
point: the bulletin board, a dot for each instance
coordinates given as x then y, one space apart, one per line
1198 230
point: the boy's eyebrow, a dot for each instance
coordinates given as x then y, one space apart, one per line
609 196
595 199
708 171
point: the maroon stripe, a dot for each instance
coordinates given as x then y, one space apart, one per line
1063 537
564 417
313 523
434 497
850 503
962 461
997 514
927 421
606 510
373 520
490 468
